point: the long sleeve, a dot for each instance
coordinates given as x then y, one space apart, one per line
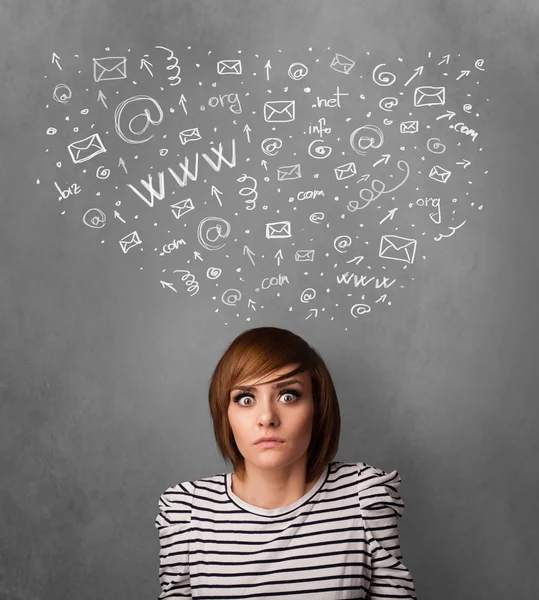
173 524
381 506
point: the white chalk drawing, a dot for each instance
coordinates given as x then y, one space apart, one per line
130 241
145 116
395 247
279 111
286 173
208 235
439 174
388 103
85 149
279 229
229 67
384 78
409 127
317 149
297 71
189 135
192 284
429 96
248 191
110 68
94 218
342 243
270 146
174 79
339 124
304 256
342 64
345 171
182 207
435 146
62 93
361 141
308 295
102 172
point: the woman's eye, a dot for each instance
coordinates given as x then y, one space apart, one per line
291 393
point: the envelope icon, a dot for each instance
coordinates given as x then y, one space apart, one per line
129 241
229 67
182 207
280 111
429 96
439 174
304 255
280 229
190 135
341 64
345 171
409 127
395 247
289 172
110 68
86 149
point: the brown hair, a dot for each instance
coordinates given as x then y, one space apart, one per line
258 352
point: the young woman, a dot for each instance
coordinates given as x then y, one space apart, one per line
288 522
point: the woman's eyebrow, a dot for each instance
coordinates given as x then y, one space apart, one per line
252 388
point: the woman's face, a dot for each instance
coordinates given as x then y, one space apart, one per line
264 410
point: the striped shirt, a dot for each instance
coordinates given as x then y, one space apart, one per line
340 540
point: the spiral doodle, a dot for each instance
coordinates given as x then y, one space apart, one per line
436 147
388 103
213 273
360 309
190 281
384 78
246 191
62 93
342 243
297 71
271 146
174 65
479 63
308 295
371 142
94 218
467 108
231 297
323 151
102 173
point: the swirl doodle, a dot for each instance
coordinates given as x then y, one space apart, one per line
342 243
384 78
190 281
360 309
102 173
94 218
479 63
231 297
271 146
388 103
213 273
145 113
246 191
370 142
308 295
218 230
174 65
62 93
467 108
297 71
436 147
378 188
323 151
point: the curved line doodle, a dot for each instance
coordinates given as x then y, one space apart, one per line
190 281
384 78
175 65
440 236
376 183
435 145
246 191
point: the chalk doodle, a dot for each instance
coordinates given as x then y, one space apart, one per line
323 179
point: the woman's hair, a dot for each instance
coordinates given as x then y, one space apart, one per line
256 353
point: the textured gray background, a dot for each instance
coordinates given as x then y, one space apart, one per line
103 374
